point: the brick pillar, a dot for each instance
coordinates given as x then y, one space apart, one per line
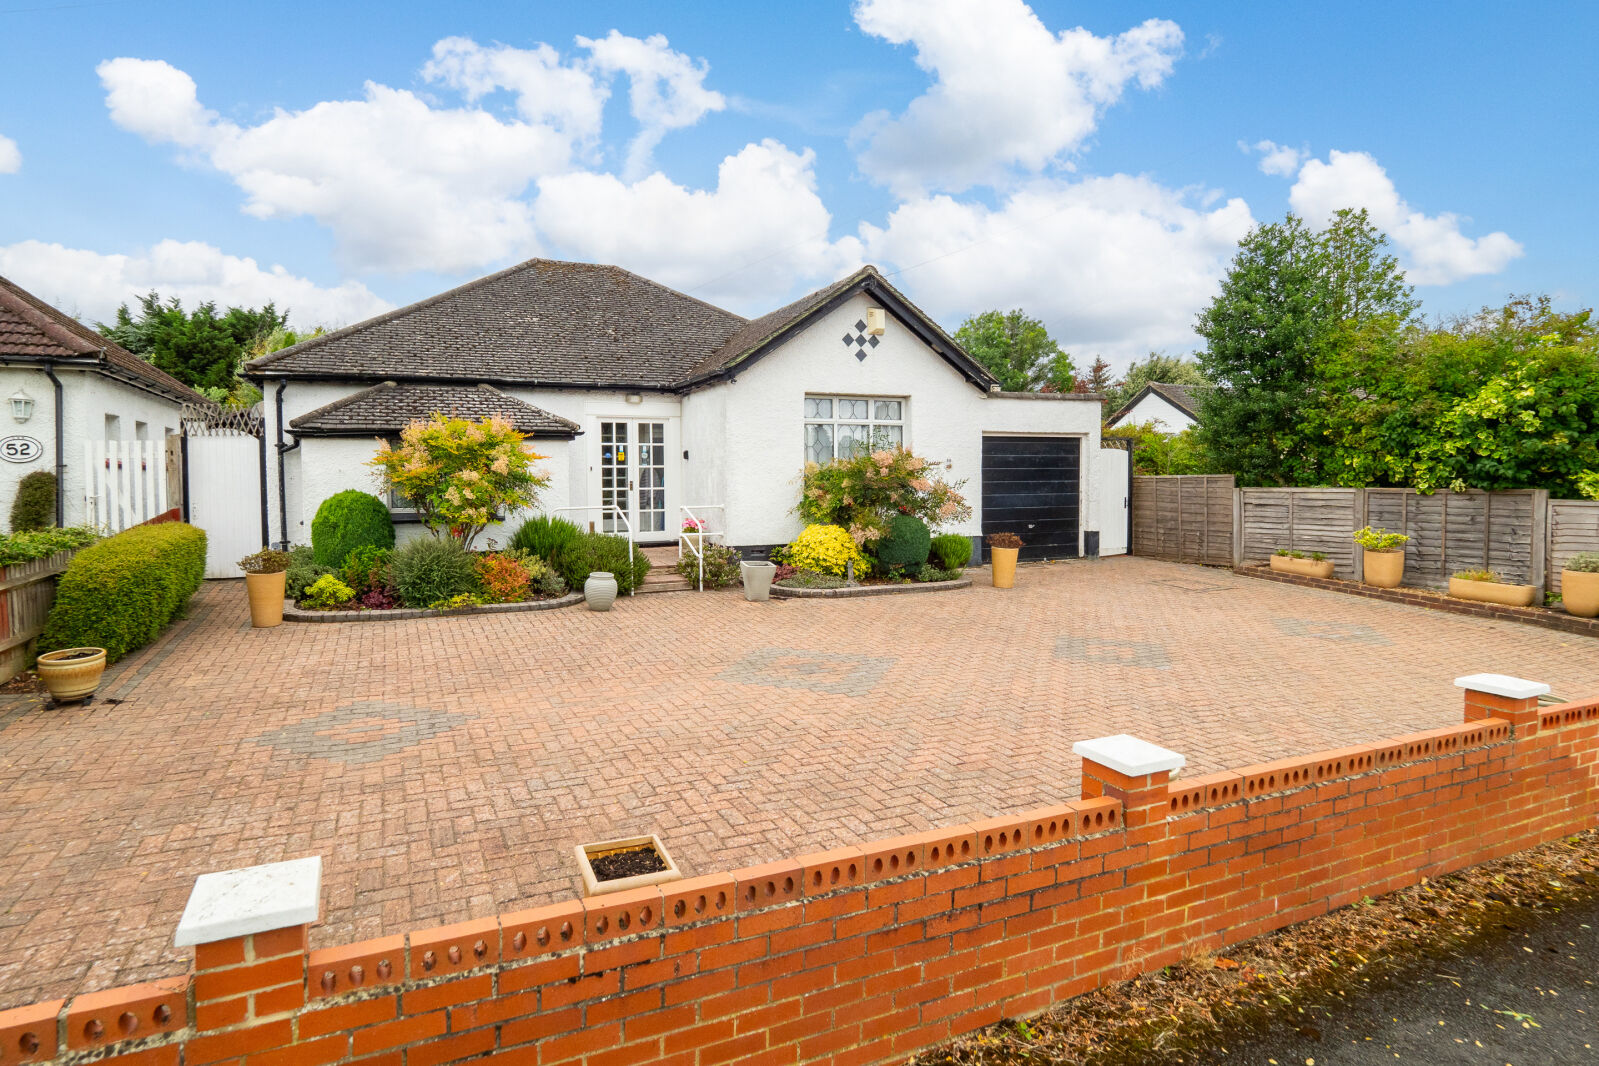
1498 696
1131 770
248 930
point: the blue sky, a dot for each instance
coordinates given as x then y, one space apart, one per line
1080 160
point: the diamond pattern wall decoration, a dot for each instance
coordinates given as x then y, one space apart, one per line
860 341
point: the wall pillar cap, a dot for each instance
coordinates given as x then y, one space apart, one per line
1513 688
1128 755
256 899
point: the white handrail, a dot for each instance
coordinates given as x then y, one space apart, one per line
697 546
614 513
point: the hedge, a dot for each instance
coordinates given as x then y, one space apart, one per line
119 593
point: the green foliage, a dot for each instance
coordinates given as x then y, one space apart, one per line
1476 575
1379 539
1018 351
1100 378
1157 368
906 544
119 593
1156 451
459 602
545 535
327 593
721 566
266 561
825 549
1583 563
603 552
366 568
951 550
346 521
34 506
862 492
201 348
303 571
430 569
40 543
811 579
929 572
1290 294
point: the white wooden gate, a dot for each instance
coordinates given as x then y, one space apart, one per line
125 482
224 488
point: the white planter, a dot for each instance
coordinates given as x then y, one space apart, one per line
599 591
757 579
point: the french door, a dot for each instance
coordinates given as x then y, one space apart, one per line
633 477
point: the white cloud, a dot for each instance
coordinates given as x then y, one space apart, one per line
92 284
667 88
10 155
1278 159
1006 93
744 243
1115 266
1435 251
548 90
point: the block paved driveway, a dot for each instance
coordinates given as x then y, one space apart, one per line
443 768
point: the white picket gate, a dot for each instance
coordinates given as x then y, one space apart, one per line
125 482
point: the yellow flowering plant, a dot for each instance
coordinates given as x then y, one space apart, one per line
826 549
460 474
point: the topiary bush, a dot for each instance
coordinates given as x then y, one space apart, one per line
544 536
119 593
906 544
825 550
604 552
952 551
346 521
34 506
430 569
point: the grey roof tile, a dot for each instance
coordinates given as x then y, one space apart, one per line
386 407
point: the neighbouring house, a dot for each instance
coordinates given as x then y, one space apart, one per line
1168 408
86 409
652 406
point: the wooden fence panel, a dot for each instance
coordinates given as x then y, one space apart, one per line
1452 531
1185 518
26 592
1573 528
1301 519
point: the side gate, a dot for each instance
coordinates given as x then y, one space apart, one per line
222 484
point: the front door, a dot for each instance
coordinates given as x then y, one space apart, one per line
633 481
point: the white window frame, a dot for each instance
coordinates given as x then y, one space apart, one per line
836 419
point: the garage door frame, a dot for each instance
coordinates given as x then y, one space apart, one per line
1075 491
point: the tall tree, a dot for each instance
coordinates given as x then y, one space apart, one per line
1156 367
1288 297
1017 350
1100 378
201 348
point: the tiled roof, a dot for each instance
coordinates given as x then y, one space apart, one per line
32 329
541 322
385 408
1186 398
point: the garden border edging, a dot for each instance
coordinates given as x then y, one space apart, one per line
784 593
291 613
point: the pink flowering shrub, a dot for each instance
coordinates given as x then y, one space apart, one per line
865 492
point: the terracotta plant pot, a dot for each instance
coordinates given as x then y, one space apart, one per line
71 674
1384 569
1003 560
599 591
757 577
1287 564
266 599
1579 593
1492 592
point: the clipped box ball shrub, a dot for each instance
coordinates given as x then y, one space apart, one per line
952 551
34 506
906 544
120 593
592 552
346 521
431 569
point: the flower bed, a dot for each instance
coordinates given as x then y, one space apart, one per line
885 588
291 613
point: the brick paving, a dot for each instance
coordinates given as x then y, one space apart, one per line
443 768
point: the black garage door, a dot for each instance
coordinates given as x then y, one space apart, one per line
1031 488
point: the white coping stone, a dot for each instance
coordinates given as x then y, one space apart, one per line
1513 688
1128 755
255 899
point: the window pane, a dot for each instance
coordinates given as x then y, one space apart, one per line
885 410
888 436
818 444
852 440
817 408
852 409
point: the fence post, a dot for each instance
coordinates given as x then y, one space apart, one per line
1540 542
1358 507
1238 526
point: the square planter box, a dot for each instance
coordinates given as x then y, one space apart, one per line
1303 567
593 886
1492 592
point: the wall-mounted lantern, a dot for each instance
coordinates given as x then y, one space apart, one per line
21 406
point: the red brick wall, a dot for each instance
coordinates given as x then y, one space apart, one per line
867 954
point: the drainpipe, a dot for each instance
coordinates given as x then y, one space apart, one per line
283 494
61 445
266 512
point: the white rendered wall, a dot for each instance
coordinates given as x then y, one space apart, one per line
1158 412
945 419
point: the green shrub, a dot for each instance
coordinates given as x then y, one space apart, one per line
303 571
952 551
1583 563
458 603
42 543
810 579
119 593
1379 539
327 593
603 552
35 504
721 566
906 544
824 550
1476 575
346 521
545 536
430 569
366 569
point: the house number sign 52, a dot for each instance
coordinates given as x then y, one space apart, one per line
20 449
